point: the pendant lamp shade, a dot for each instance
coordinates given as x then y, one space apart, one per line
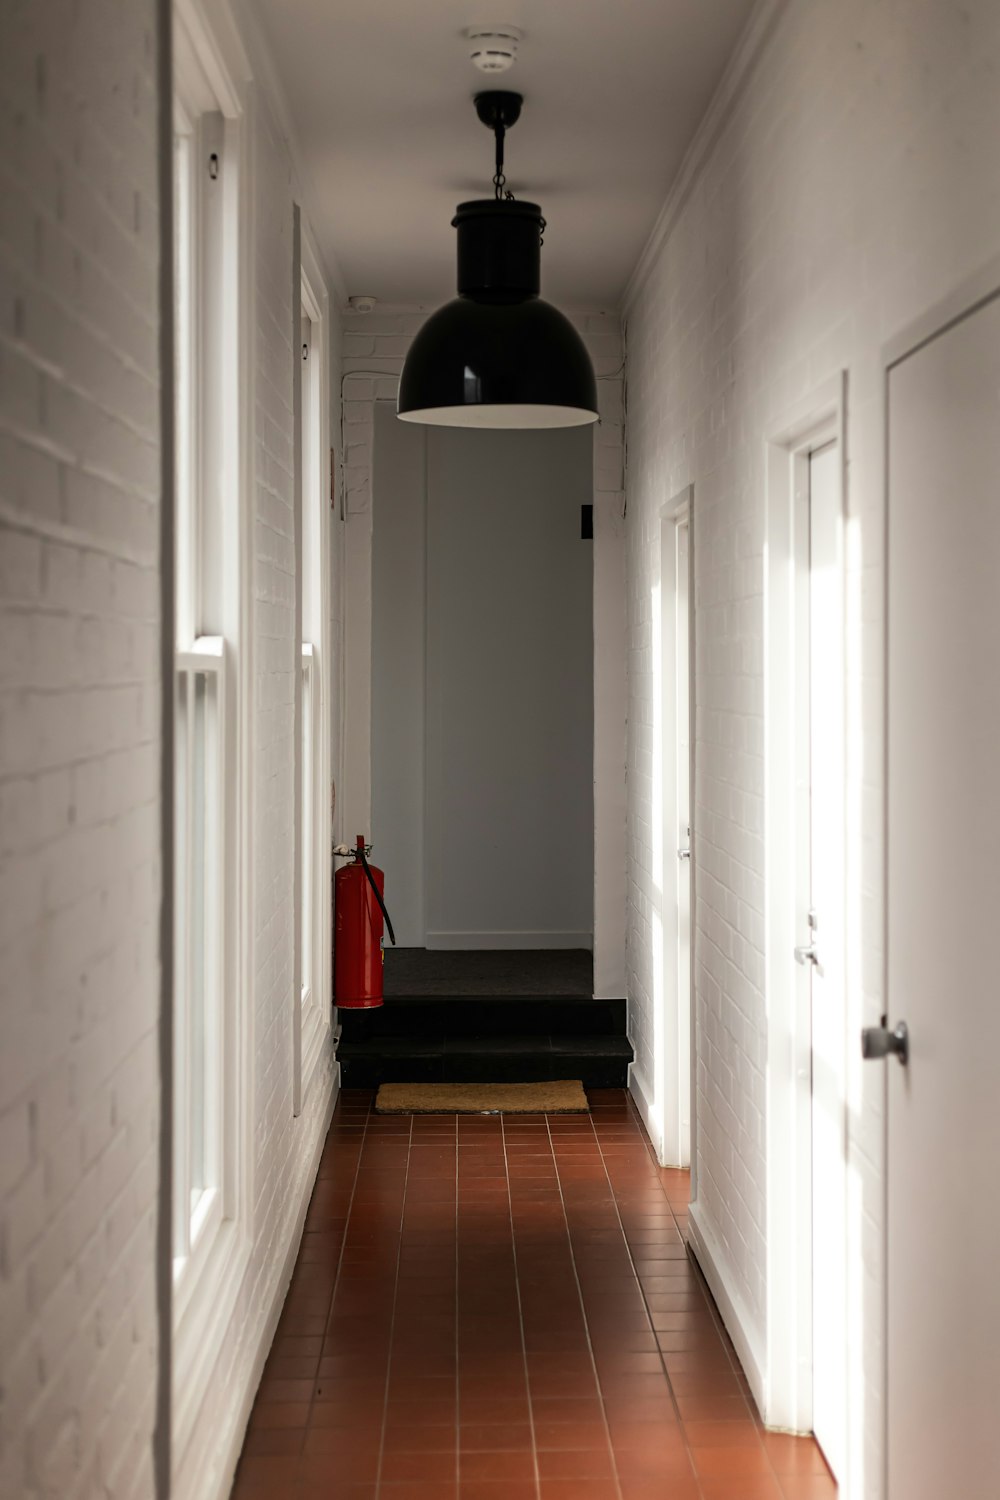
498 355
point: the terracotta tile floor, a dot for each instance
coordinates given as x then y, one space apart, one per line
502 1309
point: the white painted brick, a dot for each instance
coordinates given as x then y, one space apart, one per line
78 404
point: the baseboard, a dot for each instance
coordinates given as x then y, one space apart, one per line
534 939
263 1347
638 1087
708 1253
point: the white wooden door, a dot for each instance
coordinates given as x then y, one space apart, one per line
671 916
825 921
943 909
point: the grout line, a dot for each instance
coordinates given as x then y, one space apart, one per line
583 1305
520 1310
343 1247
642 1292
392 1322
734 1364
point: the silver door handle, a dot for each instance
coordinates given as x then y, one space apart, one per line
806 955
684 854
879 1041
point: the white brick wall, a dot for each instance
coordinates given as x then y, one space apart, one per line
79 747
850 187
375 345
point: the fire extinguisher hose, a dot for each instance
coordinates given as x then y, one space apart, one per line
378 897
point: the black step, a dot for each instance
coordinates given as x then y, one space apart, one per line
598 1061
485 1016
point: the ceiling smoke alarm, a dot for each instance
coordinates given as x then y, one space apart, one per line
493 49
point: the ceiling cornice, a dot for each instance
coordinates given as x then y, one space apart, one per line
754 38
266 76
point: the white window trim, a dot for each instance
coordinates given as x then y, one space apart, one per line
781 1371
315 1015
208 74
195 1232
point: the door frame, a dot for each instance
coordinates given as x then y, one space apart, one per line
786 1377
670 1084
974 291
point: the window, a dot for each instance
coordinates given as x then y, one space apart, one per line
206 685
200 707
313 834
211 1099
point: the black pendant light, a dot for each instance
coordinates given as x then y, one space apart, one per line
498 356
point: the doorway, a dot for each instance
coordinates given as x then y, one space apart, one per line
482 686
672 854
943 889
805 1379
820 692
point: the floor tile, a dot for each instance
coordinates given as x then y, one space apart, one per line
504 1309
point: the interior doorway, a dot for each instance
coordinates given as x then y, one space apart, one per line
805 1380
673 847
820 692
482 686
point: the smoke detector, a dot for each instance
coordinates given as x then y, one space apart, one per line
493 49
362 304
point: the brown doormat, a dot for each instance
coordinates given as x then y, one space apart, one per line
559 1098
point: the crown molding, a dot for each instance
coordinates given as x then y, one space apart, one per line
268 80
207 40
754 38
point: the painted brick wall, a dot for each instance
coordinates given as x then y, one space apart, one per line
850 186
374 347
79 747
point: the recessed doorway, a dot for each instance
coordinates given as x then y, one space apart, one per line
804 1382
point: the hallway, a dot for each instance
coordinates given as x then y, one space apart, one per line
644 633
501 1308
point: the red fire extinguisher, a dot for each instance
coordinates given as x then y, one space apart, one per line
359 909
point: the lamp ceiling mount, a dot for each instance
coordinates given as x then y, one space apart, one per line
498 109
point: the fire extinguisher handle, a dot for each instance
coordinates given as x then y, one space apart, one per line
378 895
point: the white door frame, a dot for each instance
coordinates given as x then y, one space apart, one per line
787 1374
673 1041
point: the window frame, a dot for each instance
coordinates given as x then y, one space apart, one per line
313 1004
212 643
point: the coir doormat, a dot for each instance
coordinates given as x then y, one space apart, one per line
560 1098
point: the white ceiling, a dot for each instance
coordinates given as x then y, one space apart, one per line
381 90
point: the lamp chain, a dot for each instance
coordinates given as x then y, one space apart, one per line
500 188
499 180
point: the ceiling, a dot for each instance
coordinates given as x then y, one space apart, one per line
381 96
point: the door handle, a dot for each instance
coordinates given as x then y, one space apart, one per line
879 1041
806 955
684 854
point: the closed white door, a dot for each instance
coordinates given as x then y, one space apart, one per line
823 974
943 907
672 839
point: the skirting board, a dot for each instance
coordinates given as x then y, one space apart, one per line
707 1252
512 940
639 1089
280 1293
